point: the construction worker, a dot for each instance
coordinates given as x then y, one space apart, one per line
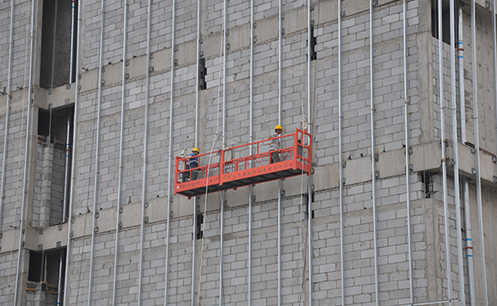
192 164
275 144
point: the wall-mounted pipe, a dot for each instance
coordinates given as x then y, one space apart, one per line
7 112
54 45
59 281
251 133
66 170
121 147
280 29
145 154
71 49
73 163
457 184
309 127
27 149
340 152
197 92
464 181
494 49
442 144
477 149
373 162
407 160
170 143
223 193
64 206
97 149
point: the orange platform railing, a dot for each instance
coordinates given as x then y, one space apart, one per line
235 167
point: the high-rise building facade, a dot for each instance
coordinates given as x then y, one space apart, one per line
100 97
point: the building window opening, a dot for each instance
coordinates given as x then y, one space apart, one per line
445 20
199 222
202 72
58 43
55 130
312 51
46 274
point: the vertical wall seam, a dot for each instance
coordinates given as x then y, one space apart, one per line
97 149
121 146
20 250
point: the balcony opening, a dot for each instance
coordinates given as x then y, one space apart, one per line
46 275
55 129
58 43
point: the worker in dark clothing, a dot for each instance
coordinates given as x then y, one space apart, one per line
192 164
275 144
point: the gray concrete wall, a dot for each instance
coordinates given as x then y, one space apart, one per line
428 236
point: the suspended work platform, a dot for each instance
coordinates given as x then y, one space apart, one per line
236 167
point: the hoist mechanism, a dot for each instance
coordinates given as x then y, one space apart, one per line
235 167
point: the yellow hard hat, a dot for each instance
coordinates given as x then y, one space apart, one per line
195 150
278 127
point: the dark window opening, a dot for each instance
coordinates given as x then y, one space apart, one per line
35 266
59 28
55 130
199 233
313 52
202 72
445 20
46 271
427 180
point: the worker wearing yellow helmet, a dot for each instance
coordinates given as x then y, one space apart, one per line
275 144
192 164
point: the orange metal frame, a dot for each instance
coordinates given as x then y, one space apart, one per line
223 171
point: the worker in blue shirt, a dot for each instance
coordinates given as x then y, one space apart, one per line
192 163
